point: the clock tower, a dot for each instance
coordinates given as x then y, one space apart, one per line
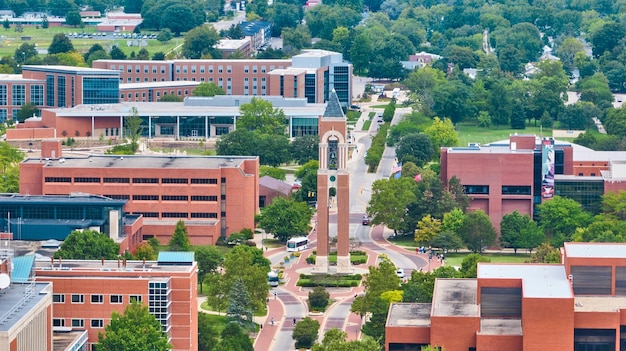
333 174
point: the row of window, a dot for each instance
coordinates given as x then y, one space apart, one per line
185 69
135 180
78 323
175 198
179 214
506 189
18 94
95 298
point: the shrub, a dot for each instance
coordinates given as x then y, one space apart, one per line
318 298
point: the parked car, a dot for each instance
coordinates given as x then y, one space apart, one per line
400 273
355 107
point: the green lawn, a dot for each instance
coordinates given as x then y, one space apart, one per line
366 125
470 133
42 38
379 106
217 322
273 243
208 307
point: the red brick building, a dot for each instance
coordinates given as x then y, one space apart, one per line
214 196
521 173
85 293
579 304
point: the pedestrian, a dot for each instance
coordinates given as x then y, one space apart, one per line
272 321
294 321
274 295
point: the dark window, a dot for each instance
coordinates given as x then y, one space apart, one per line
223 197
78 298
203 198
476 189
86 180
145 180
146 197
148 214
223 180
117 299
117 180
117 197
515 190
174 180
97 323
203 180
223 213
203 215
174 214
58 298
58 180
174 198
97 298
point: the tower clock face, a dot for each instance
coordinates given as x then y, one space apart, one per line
332 154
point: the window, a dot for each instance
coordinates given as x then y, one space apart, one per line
58 298
174 214
203 215
148 214
135 298
97 323
174 198
3 95
58 180
36 95
203 180
117 197
174 180
97 299
145 197
58 322
78 298
117 180
86 180
78 323
116 299
476 189
145 180
203 198
18 94
229 69
515 190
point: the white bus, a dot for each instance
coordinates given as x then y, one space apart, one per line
272 278
298 244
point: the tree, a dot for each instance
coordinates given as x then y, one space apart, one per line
144 251
133 129
416 148
6 24
452 99
400 130
447 240
200 42
318 298
606 38
389 201
158 56
375 325
208 258
546 253
239 305
560 217
73 18
305 332
207 89
615 122
254 276
442 133
135 330
274 172
578 115
178 18
88 245
567 51
272 150
234 339
427 229
180 240
305 148
171 98
260 115
469 265
335 340
421 286
207 335
614 205
61 7
45 23
285 218
25 52
28 110
117 53
519 231
360 53
60 44
477 231
377 281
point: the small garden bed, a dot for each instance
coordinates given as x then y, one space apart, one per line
330 281
356 257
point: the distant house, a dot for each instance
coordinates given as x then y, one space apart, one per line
424 57
229 46
120 22
269 188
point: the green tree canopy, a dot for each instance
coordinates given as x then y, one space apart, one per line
208 258
60 44
305 148
27 110
335 340
560 217
477 231
469 265
88 245
285 218
389 201
207 89
416 148
200 42
421 286
260 115
135 330
238 310
207 335
305 332
180 240
234 339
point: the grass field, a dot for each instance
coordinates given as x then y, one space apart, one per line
42 38
469 133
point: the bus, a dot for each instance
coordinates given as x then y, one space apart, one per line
298 244
272 278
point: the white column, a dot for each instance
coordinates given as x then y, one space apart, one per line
93 129
150 127
206 127
177 127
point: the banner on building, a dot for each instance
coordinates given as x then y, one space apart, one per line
547 168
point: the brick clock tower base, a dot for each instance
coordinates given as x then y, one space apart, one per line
333 173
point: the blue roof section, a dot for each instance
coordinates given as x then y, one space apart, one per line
182 258
22 268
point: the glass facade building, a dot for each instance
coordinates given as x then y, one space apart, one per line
101 90
587 191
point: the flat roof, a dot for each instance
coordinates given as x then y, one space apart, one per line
595 250
18 300
455 297
73 199
495 326
231 44
169 109
63 340
143 162
538 280
72 69
599 303
163 85
409 314
114 266
17 78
